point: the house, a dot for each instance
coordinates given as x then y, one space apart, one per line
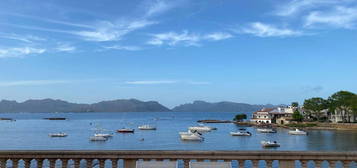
342 116
262 116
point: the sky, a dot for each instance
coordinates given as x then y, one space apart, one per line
177 51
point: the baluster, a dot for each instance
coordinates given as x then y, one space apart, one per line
15 163
269 163
3 163
101 163
52 163
186 163
129 163
64 163
332 164
114 163
304 163
287 163
39 163
255 163
318 163
77 163
89 163
241 163
27 163
345 164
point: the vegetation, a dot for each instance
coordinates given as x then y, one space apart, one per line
240 117
314 107
297 116
295 104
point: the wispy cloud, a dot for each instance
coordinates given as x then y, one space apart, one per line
23 38
121 47
20 51
65 48
32 82
158 7
151 82
339 17
297 6
186 38
266 30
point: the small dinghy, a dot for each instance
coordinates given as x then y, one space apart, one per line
241 133
125 130
270 144
266 130
297 132
103 135
61 134
147 127
98 138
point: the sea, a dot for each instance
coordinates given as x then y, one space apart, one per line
29 131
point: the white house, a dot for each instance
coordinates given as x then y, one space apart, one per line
262 116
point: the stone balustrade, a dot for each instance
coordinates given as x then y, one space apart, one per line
128 159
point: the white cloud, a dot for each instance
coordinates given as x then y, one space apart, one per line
218 36
266 30
297 6
150 82
120 47
185 38
23 38
158 7
20 52
32 82
340 17
65 48
110 31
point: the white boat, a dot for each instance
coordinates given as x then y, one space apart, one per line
267 144
191 137
147 127
297 132
61 134
103 135
201 128
241 133
266 130
98 138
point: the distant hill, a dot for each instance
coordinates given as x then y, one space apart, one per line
202 106
51 105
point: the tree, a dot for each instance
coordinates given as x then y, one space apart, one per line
297 116
240 117
343 102
295 104
314 106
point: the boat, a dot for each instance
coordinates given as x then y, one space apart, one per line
103 135
242 129
147 127
266 130
191 137
201 128
98 138
125 130
267 144
61 134
241 133
297 132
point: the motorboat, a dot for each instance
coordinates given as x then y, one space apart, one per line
191 137
98 138
103 135
147 127
266 130
125 130
201 128
61 134
297 132
267 144
241 133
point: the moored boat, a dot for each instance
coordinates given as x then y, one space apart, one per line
125 130
147 127
241 133
297 132
103 135
61 134
267 144
266 130
201 128
191 137
98 138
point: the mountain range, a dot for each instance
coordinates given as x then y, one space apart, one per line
122 105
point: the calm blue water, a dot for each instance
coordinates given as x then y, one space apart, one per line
30 131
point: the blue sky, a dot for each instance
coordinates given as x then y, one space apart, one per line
257 51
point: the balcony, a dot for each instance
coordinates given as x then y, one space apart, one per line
129 159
